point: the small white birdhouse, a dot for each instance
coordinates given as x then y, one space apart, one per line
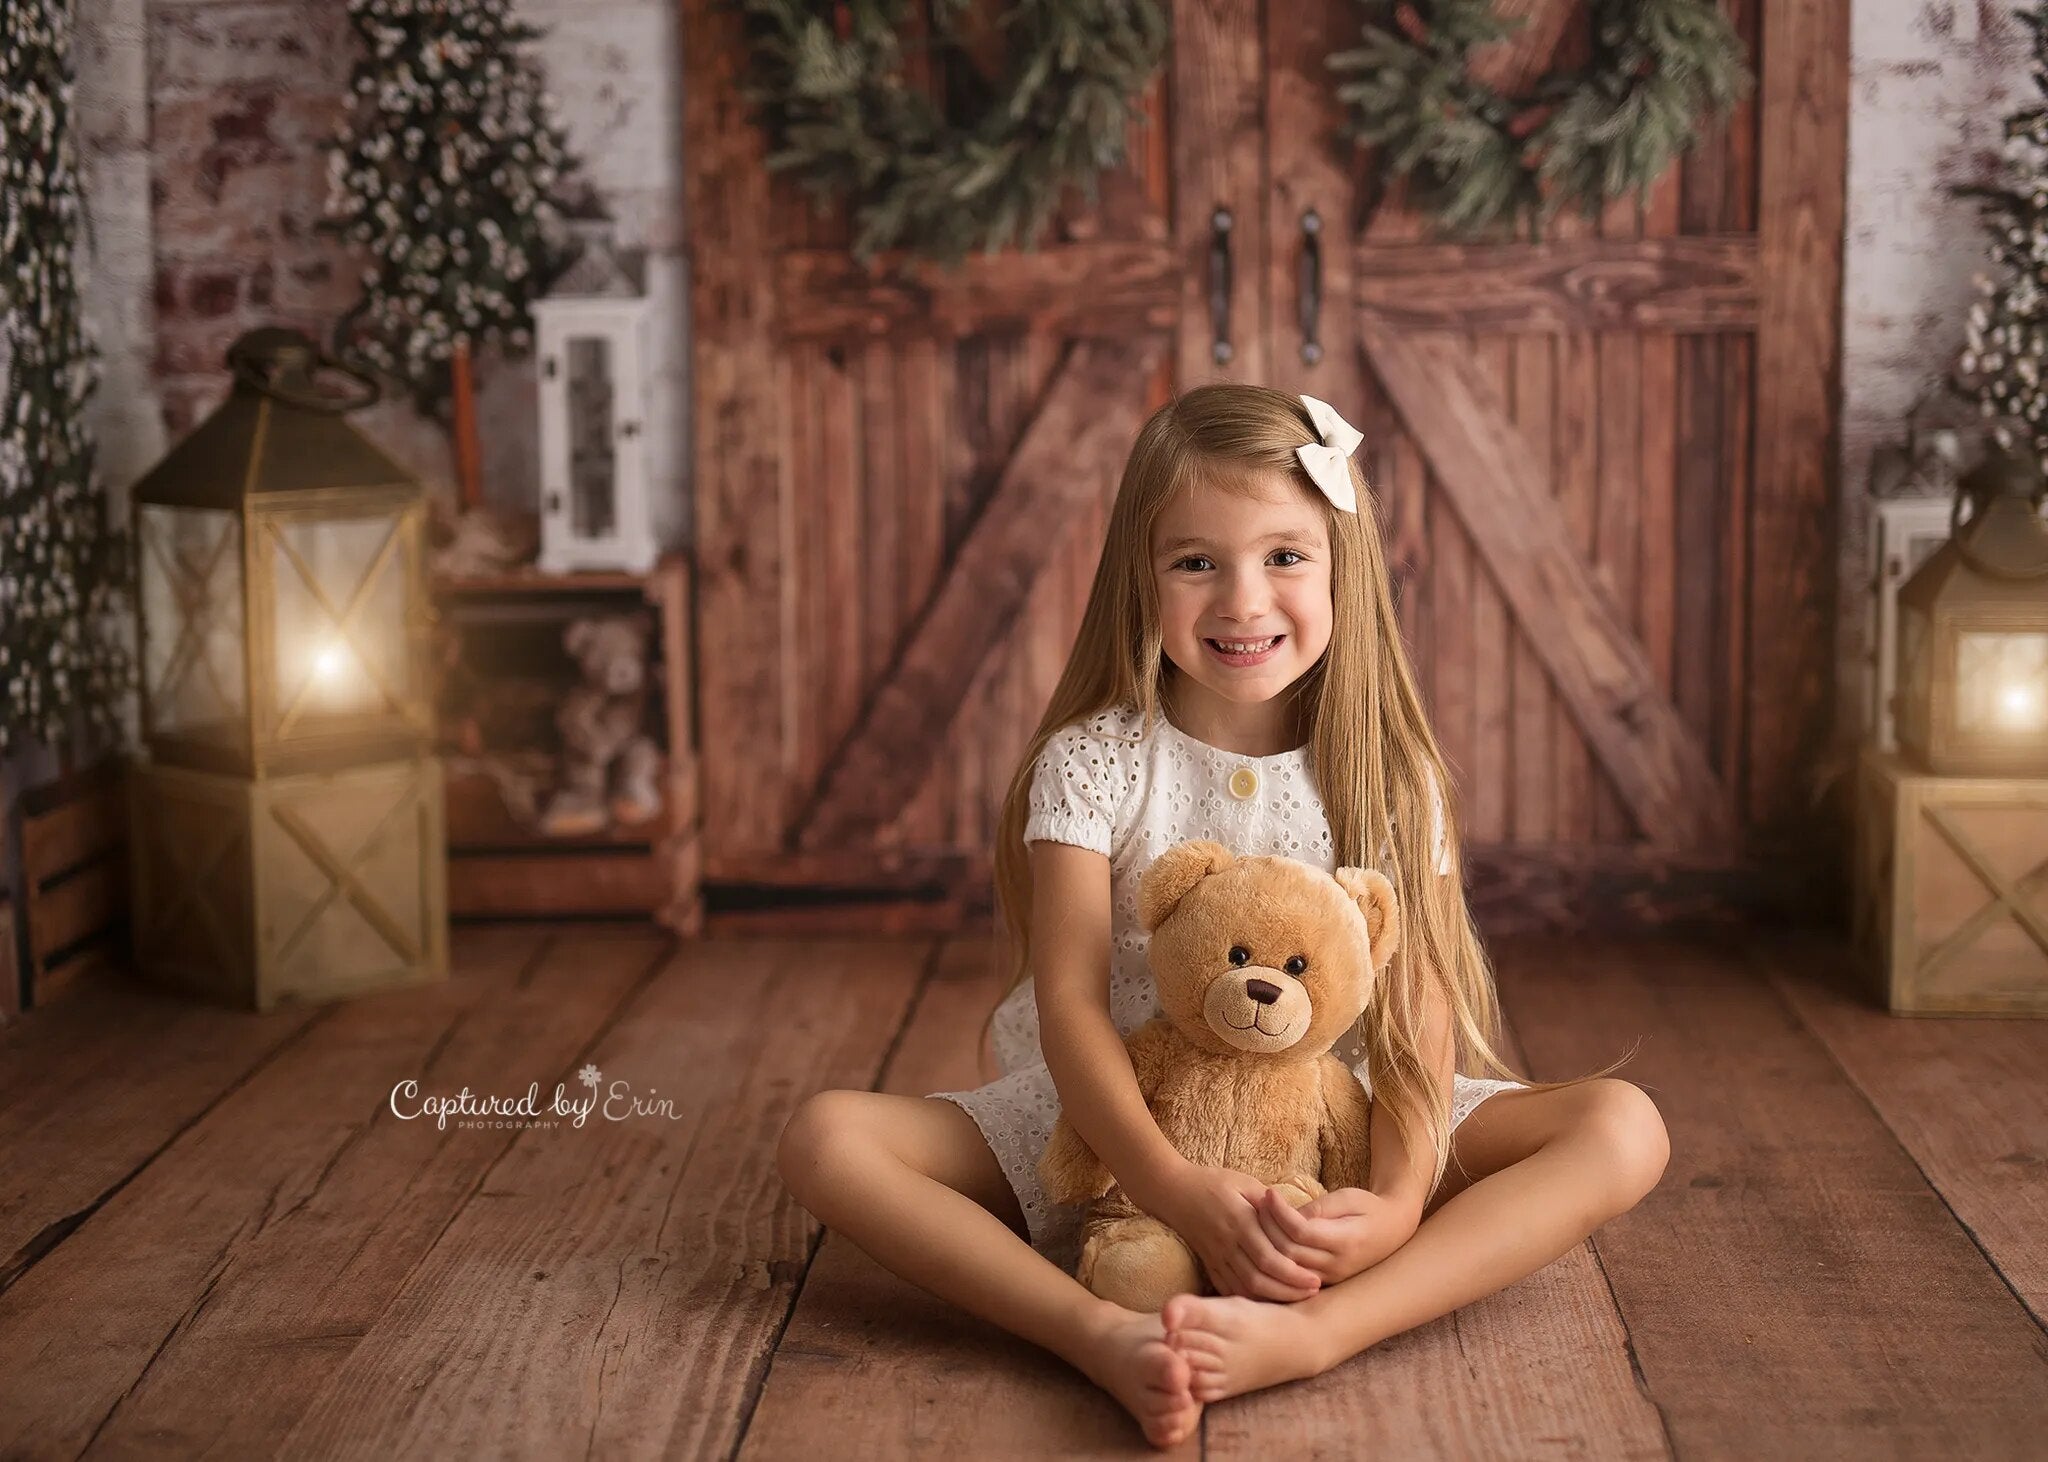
595 340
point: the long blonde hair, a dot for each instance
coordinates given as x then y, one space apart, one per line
1371 750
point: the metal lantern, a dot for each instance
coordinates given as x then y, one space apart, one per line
594 337
287 826
1973 632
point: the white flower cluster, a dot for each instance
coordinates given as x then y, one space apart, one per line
59 576
2006 337
444 174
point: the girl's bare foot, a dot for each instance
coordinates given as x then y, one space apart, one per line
1234 1345
1127 1356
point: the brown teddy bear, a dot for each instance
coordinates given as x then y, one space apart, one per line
1261 965
605 747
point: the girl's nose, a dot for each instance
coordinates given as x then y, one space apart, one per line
1245 597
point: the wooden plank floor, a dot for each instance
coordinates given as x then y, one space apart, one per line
217 1238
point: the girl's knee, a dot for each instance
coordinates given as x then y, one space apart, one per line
1621 1119
825 1125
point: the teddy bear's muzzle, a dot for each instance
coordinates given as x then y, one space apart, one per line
1254 1013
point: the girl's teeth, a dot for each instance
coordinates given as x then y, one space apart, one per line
1246 647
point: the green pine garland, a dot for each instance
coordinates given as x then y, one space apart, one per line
2001 366
63 667
826 85
445 171
1477 160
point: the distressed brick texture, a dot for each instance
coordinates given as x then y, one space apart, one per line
228 105
1930 84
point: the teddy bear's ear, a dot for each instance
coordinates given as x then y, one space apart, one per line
1173 876
1375 898
577 637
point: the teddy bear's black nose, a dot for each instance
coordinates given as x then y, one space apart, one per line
1263 991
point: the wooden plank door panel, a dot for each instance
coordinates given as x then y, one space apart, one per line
1599 461
1580 582
901 478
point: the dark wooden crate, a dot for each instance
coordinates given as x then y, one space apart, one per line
74 834
498 868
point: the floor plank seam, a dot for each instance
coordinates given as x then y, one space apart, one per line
27 1257
219 1269
1512 1034
655 965
191 1316
1628 1345
758 1385
1772 979
924 983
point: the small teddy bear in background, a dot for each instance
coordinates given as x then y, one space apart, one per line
610 766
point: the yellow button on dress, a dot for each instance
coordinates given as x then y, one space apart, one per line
1243 783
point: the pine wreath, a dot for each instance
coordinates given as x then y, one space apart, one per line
826 85
1476 159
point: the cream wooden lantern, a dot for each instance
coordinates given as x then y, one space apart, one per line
1972 694
1908 531
595 342
287 828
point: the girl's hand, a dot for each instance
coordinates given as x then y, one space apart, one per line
1342 1233
1216 1212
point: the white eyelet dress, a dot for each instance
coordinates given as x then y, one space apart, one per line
1109 785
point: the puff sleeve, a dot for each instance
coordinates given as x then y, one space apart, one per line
1076 787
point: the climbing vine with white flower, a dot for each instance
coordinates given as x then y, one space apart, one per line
63 665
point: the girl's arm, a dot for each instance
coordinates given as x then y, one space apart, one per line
1401 1171
1099 1095
1349 1230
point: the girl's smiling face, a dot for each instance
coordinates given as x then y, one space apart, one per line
1243 582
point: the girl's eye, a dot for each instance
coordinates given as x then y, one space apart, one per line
1196 562
1295 965
1239 955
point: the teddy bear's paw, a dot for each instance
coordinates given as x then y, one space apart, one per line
1140 1265
572 815
1298 1195
633 809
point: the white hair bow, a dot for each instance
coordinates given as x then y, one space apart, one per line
1325 460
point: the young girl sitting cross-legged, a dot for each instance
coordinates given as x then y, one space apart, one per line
1238 676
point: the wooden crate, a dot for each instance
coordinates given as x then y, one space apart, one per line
1951 889
498 869
310 887
74 876
10 972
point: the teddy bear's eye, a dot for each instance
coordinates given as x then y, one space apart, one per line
1239 955
1295 964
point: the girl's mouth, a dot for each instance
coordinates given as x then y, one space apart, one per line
1242 653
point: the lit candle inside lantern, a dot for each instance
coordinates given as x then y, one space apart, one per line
2022 705
330 663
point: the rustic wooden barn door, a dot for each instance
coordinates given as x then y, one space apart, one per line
1602 460
901 480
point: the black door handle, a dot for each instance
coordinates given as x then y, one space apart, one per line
1311 279
1219 285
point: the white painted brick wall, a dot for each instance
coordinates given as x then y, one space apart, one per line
203 161
1930 84
112 102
